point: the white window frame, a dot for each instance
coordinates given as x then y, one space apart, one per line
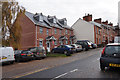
47 31
55 42
55 31
60 32
66 41
54 20
70 41
41 43
41 30
66 31
40 18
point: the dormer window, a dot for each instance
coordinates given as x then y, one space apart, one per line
40 18
54 20
65 22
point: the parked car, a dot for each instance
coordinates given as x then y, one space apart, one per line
84 44
38 52
65 49
7 55
24 55
93 45
110 56
77 47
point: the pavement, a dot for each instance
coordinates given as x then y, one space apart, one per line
84 64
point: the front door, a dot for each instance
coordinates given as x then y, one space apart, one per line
48 46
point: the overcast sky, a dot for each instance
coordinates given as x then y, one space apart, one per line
74 9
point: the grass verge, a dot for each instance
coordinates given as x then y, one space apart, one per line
56 55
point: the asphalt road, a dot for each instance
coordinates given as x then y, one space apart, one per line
83 68
83 65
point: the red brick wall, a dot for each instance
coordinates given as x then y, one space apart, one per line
97 36
28 32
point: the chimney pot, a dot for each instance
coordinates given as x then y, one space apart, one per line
87 17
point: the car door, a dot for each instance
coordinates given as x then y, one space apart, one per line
63 48
57 50
81 43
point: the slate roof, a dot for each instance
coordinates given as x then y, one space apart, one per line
104 25
46 20
31 17
108 26
50 20
95 23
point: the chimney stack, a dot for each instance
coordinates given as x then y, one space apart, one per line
105 22
98 20
111 24
87 17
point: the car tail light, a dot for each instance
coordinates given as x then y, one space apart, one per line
103 50
23 54
31 53
88 45
37 53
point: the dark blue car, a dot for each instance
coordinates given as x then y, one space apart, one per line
65 49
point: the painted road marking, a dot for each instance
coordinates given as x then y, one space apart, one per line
61 75
74 70
64 74
32 72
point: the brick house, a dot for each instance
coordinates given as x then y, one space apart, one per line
99 32
41 30
117 30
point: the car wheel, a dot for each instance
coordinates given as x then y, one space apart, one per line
102 67
86 49
53 51
17 60
43 57
76 50
65 52
83 49
11 62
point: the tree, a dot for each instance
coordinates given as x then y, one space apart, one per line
10 24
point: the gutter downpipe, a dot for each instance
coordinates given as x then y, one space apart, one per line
36 35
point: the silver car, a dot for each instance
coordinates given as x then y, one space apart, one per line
77 47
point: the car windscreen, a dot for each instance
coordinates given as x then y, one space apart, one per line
18 52
24 52
89 43
112 49
79 42
69 46
72 45
36 49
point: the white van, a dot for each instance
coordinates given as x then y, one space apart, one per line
7 55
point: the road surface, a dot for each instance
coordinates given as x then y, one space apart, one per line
81 65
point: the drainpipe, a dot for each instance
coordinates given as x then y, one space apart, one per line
36 35
108 35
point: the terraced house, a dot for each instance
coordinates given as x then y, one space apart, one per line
96 31
47 31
